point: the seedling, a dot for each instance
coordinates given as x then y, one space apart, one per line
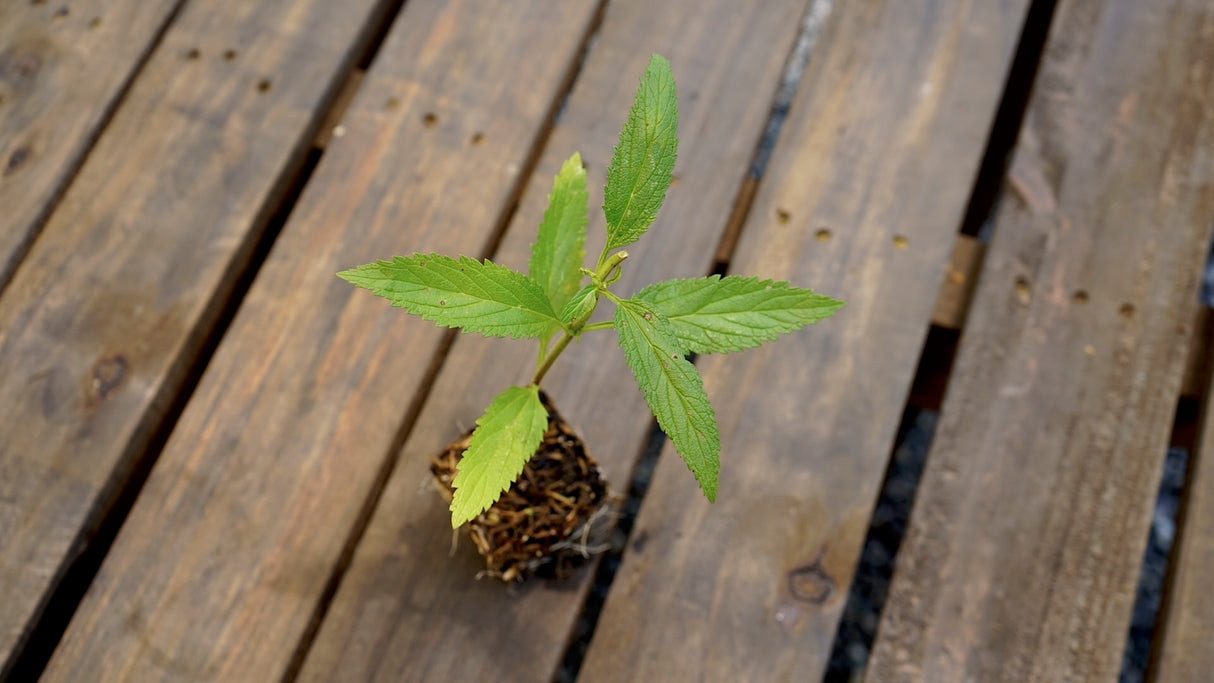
658 327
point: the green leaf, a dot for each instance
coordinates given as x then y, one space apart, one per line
715 314
558 252
478 297
641 168
672 388
505 438
582 304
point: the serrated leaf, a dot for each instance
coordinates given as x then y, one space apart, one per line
558 252
672 388
505 438
719 315
643 162
580 305
478 297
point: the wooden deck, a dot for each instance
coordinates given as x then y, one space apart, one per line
213 452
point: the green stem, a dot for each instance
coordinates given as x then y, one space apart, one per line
605 325
552 356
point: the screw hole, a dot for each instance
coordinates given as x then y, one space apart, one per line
229 55
392 104
478 137
263 86
900 242
783 216
430 119
94 22
1126 310
1022 289
193 53
822 235
1080 296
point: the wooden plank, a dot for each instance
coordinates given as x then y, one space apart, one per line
407 609
225 558
100 323
1027 537
1187 629
957 289
863 202
63 69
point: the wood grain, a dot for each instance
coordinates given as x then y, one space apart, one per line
225 558
409 610
862 201
109 308
1185 651
63 69
1028 531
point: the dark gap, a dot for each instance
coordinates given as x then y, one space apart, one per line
1152 576
891 515
1008 119
118 497
7 270
790 80
363 520
887 527
378 33
609 564
642 473
116 502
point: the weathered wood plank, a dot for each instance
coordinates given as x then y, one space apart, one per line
1028 531
406 609
1186 647
863 202
63 69
101 321
223 561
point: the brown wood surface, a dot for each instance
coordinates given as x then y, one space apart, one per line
63 69
1028 530
880 151
99 324
225 557
1186 645
410 610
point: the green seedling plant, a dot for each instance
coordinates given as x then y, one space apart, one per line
658 327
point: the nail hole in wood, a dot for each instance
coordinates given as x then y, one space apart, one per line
229 55
193 53
1022 290
900 242
429 119
62 12
822 235
783 216
94 22
263 86
478 137
1126 310
1080 296
392 104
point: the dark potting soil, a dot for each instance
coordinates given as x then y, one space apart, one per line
552 520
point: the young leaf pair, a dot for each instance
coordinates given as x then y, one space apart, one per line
657 327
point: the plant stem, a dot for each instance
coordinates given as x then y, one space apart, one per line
605 325
552 356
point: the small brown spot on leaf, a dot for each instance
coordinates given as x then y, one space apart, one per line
647 315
